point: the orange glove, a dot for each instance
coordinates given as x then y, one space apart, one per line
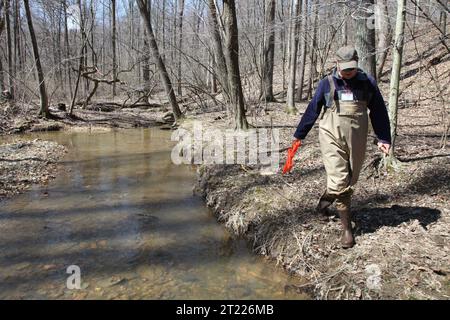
291 153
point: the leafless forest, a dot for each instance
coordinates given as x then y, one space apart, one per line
72 52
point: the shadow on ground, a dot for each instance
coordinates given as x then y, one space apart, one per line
370 220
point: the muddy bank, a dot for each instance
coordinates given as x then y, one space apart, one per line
402 220
25 163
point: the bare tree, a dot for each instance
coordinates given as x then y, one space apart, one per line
395 77
313 55
269 52
232 59
180 43
290 101
345 27
304 41
67 47
219 57
158 59
365 37
9 48
2 26
384 37
113 43
44 111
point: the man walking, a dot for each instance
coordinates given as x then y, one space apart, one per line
342 101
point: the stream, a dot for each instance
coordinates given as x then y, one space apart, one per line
125 216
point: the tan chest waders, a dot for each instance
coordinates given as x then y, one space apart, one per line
343 138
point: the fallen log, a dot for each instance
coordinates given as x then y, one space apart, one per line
112 106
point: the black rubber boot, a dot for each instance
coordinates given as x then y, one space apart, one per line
343 207
322 210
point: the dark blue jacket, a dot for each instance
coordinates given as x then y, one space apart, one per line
377 108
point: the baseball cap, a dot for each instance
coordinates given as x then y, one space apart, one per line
347 57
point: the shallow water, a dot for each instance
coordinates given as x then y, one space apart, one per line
127 217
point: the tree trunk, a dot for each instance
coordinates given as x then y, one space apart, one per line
2 18
365 38
67 49
103 52
159 62
219 57
92 31
17 40
131 30
163 30
269 52
211 82
345 27
283 46
44 111
395 76
312 55
83 56
113 43
59 52
384 37
2 25
9 49
290 101
232 59
304 27
416 17
2 78
146 54
174 33
443 23
180 43
77 83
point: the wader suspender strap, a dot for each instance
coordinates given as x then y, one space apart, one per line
332 91
330 97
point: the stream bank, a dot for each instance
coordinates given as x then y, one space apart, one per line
401 220
25 163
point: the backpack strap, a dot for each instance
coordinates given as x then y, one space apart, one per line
332 91
330 100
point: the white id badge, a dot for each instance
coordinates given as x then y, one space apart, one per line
347 96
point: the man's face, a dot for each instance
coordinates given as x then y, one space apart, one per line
348 73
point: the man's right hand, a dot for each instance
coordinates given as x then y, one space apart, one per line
384 147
